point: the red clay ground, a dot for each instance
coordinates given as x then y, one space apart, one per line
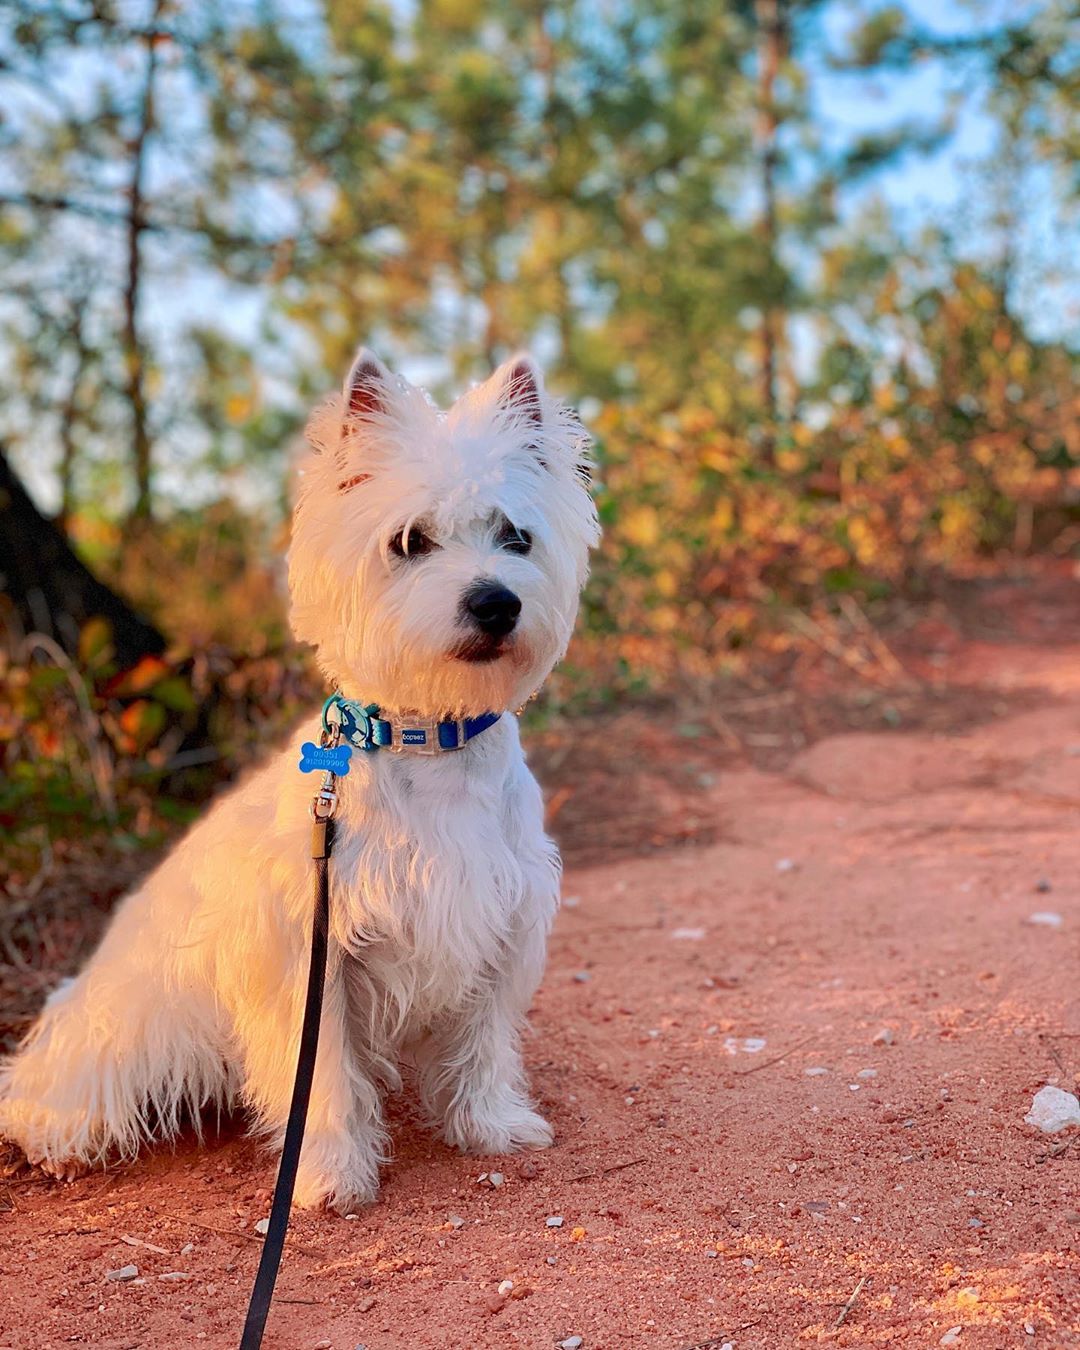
862 906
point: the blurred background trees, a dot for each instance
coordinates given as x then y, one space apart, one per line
804 384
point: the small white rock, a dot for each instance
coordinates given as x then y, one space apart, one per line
1046 918
886 1036
456 1221
496 1179
505 1288
553 1221
175 1275
122 1275
187 1249
572 1343
747 1045
582 977
262 1227
951 1336
816 1071
1053 1109
866 1073
688 934
786 864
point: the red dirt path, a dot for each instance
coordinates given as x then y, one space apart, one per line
873 881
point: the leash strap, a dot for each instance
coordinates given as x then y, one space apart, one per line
266 1277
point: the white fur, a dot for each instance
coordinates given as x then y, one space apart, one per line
443 883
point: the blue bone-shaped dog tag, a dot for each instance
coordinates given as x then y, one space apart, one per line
318 757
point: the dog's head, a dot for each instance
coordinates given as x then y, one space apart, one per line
437 557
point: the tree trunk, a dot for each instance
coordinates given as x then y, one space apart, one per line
771 47
69 413
50 590
134 352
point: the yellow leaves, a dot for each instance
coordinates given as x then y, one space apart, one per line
710 541
666 618
641 526
238 408
723 516
863 540
957 520
719 455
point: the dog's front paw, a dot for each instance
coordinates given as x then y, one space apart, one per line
14 1160
59 1144
338 1174
493 1127
64 1169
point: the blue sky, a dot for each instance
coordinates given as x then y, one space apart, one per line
949 186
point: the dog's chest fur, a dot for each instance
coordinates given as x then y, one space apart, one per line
440 865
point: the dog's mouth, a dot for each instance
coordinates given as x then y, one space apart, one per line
481 649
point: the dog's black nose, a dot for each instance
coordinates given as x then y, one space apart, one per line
493 608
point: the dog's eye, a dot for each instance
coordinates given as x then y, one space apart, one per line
514 540
412 545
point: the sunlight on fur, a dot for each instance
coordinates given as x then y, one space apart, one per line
436 564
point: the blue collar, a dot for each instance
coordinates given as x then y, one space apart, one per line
363 727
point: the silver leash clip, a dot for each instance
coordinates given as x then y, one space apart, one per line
324 803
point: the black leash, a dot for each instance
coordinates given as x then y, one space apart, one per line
266 1277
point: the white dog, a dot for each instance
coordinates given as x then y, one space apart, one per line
436 564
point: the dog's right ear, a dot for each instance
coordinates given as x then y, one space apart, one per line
367 386
365 396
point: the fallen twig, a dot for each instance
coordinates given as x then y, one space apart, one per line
715 1342
877 643
851 1301
252 1237
856 661
606 1171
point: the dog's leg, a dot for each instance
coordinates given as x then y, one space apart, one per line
471 1072
344 1142
120 1054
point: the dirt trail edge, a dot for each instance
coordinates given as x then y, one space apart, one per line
788 1074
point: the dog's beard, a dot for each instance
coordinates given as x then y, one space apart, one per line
482 649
